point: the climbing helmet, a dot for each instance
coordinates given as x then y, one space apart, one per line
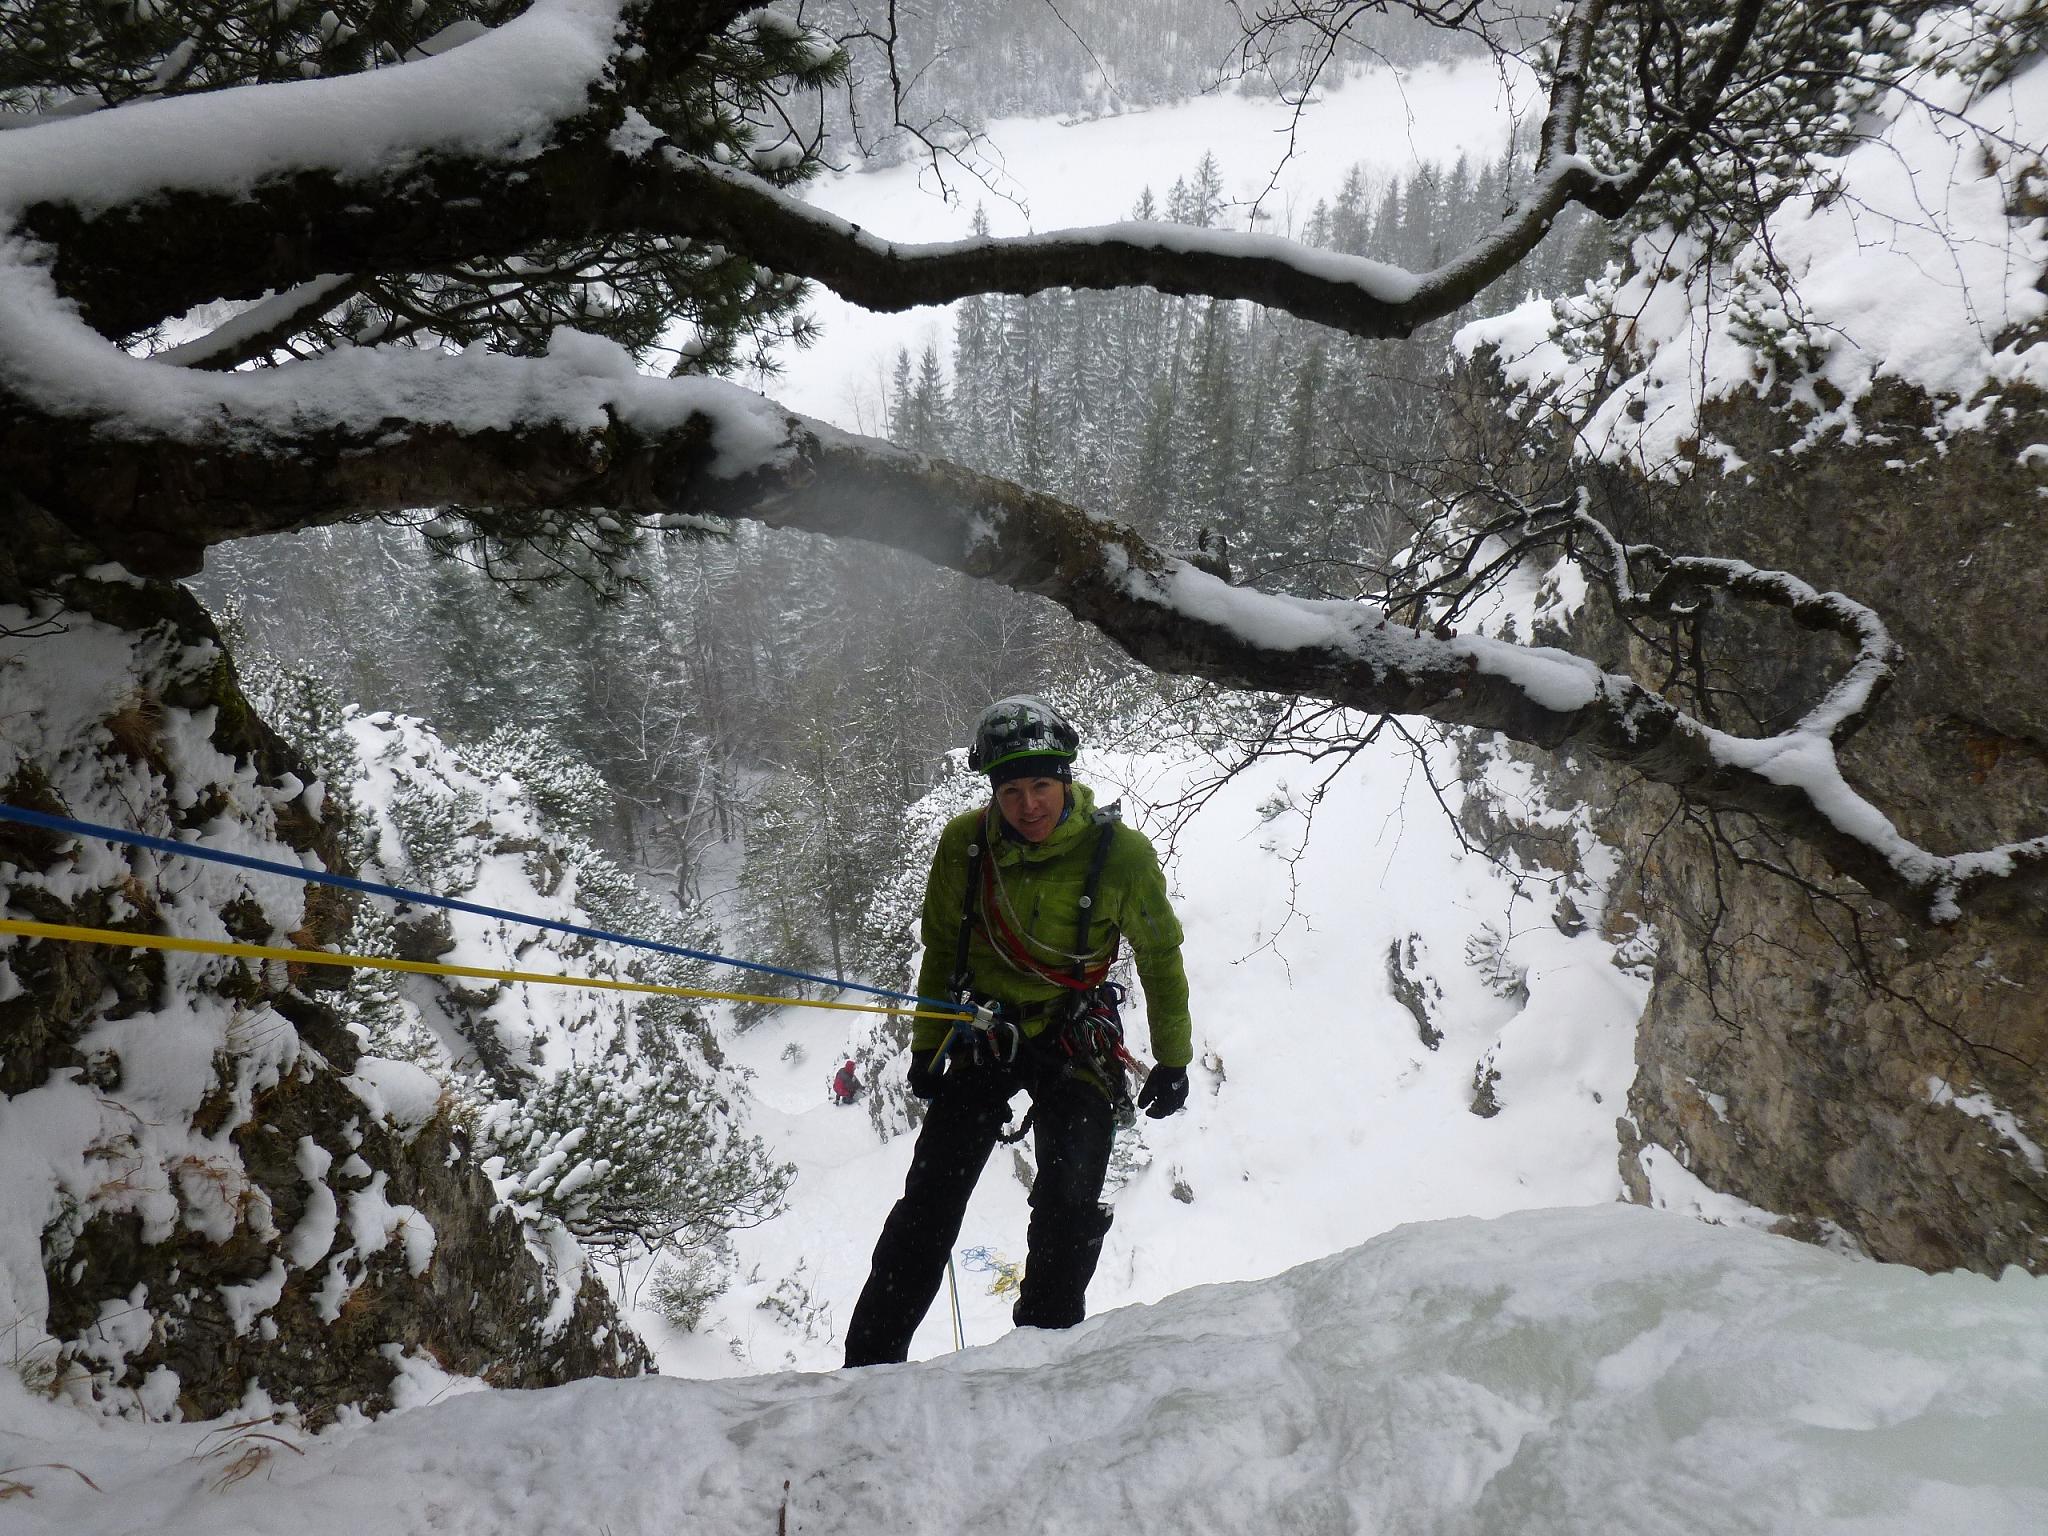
1023 725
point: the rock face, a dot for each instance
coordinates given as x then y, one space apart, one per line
1866 1077
237 1204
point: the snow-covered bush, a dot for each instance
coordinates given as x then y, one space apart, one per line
375 1002
795 1301
311 715
1775 272
607 1113
439 835
682 1291
634 1162
567 789
1487 952
613 900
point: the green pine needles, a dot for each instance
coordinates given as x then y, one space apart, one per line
645 1161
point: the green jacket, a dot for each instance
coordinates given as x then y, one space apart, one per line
1042 884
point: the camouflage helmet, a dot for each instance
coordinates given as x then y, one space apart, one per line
1023 725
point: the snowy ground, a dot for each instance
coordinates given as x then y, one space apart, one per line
1600 1370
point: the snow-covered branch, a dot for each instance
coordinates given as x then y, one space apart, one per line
1682 124
1178 619
528 134
153 464
263 327
239 236
1677 579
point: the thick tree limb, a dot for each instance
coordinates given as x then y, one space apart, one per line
611 438
138 214
480 191
210 245
1177 619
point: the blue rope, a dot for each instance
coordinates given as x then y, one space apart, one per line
51 823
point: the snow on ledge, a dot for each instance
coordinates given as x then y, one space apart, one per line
1911 268
1980 1106
1599 1369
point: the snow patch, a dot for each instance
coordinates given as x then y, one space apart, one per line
398 1093
311 1239
1980 1106
246 1303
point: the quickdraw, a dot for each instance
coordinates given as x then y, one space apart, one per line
1093 1042
987 1037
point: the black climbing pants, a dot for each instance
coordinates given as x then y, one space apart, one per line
1073 1125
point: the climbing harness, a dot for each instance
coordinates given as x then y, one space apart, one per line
986 897
921 1007
1086 1023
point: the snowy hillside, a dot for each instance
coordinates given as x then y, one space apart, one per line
1041 174
1569 1372
1320 1116
1942 203
605 1116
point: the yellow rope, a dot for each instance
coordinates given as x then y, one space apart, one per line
122 939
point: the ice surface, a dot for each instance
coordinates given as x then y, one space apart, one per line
1601 1370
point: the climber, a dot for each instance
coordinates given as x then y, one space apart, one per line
1026 904
845 1084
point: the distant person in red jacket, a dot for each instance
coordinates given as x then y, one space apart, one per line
845 1085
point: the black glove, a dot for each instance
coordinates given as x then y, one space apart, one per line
927 1072
1165 1090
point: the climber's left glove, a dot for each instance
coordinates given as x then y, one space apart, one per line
1165 1090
